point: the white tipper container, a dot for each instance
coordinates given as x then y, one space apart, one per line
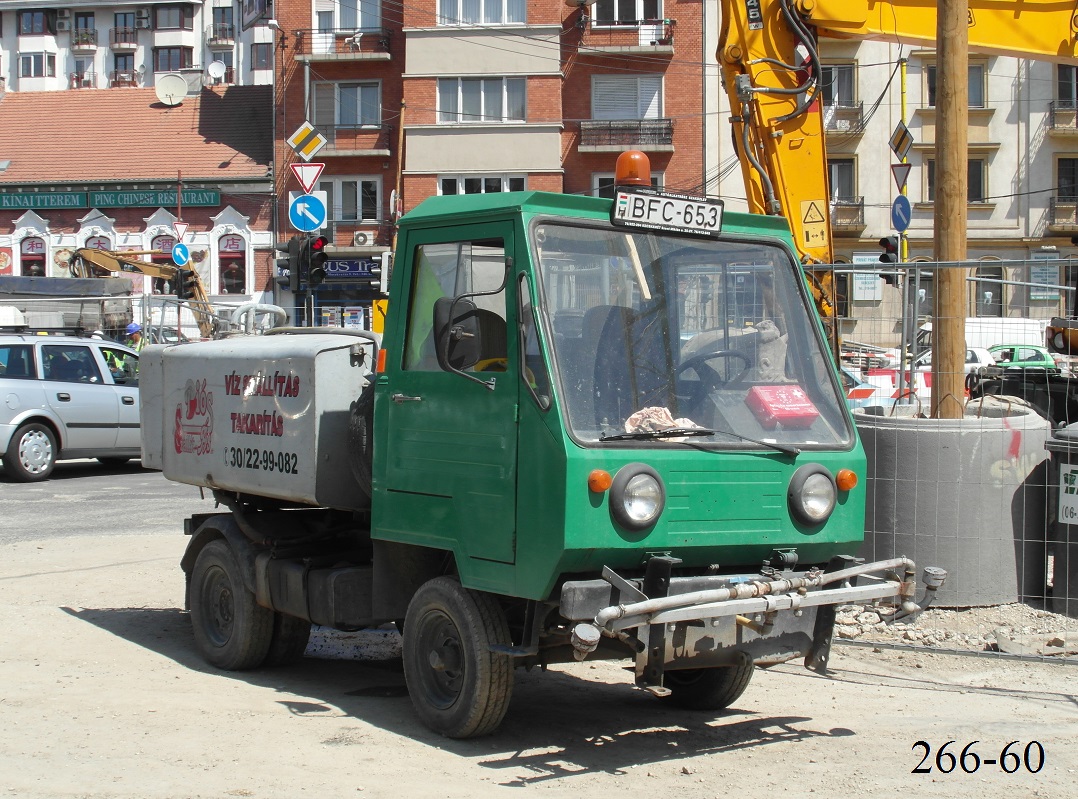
265 415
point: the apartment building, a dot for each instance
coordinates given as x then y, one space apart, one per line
474 96
83 44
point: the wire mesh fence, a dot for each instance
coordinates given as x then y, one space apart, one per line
992 496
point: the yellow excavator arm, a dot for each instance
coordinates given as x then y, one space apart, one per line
770 67
90 262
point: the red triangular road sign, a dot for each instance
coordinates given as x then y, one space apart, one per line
307 174
901 173
181 230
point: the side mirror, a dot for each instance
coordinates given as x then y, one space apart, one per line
456 334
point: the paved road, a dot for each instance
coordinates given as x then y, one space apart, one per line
82 497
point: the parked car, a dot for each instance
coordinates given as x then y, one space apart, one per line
978 359
66 397
1023 356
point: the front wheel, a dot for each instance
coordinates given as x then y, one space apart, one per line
31 453
708 689
457 685
231 630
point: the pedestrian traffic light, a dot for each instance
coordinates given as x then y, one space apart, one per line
185 284
890 249
316 260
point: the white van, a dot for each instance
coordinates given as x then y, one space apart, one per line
987 331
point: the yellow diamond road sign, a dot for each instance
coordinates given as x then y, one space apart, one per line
307 141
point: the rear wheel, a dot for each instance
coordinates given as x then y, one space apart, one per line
290 637
708 689
31 453
458 686
231 630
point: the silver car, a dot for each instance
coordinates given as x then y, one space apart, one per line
66 397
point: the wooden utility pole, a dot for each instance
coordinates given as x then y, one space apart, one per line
952 96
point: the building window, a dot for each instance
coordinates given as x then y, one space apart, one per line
84 22
124 65
364 15
353 199
33 23
837 86
480 184
1067 179
232 271
347 104
976 85
976 181
172 18
481 12
842 175
124 20
481 99
261 53
165 245
37 65
223 27
1066 86
170 59
989 291
32 250
626 12
602 184
626 96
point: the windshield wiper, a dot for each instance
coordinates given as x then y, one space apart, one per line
645 435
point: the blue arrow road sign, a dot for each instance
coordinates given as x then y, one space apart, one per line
901 213
307 212
180 254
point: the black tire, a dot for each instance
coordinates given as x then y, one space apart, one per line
31 453
290 637
113 463
232 631
708 689
361 439
457 685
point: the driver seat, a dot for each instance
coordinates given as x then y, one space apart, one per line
632 365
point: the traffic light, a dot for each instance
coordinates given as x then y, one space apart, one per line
290 261
185 284
890 249
316 260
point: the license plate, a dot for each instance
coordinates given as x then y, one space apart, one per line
661 211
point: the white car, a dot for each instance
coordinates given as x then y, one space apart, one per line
66 397
888 380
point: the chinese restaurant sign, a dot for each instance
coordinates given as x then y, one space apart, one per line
106 199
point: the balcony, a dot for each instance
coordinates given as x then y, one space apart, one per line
616 135
848 216
123 40
118 78
1063 215
654 36
227 79
83 80
343 44
848 120
1063 118
357 140
221 34
84 41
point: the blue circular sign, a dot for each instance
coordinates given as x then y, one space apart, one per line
307 212
901 213
180 254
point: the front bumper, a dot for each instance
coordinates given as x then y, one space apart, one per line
710 621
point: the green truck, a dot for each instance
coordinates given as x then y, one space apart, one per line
592 429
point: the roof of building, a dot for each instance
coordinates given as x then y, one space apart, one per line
129 136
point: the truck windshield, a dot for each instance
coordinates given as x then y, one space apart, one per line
651 331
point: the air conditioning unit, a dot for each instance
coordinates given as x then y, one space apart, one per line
63 13
142 13
362 238
63 25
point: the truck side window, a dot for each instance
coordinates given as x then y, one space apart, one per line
536 377
449 270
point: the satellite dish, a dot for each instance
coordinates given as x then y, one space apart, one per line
216 69
171 88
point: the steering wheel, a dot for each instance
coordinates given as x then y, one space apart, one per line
708 374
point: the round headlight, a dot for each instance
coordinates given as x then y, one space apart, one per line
637 496
812 494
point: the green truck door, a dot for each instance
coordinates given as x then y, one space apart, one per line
452 445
